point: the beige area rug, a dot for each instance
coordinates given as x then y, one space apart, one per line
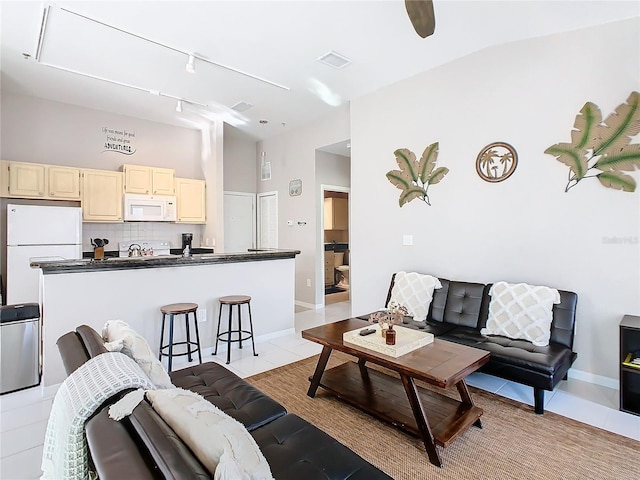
514 442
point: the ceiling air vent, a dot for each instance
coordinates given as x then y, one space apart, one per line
242 106
334 59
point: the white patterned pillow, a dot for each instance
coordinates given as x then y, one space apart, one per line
220 442
521 311
414 291
122 338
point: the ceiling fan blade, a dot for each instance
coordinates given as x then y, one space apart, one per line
422 16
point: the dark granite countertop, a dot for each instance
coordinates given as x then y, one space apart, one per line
130 263
173 251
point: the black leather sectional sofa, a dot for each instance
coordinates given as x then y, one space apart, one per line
459 310
143 446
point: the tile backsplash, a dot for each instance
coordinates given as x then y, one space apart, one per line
130 231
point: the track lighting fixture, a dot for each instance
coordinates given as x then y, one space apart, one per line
191 66
179 106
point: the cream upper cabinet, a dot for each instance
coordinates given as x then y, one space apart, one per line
26 180
163 181
190 197
102 196
33 180
148 180
4 178
63 183
336 214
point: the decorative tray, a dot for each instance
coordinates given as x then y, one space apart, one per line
407 340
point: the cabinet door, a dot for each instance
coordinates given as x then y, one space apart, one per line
4 178
26 180
340 214
163 181
190 197
137 179
336 214
328 214
63 183
102 196
329 267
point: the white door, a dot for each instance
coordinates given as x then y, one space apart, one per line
239 221
268 220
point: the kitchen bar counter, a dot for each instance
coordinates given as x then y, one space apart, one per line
162 261
90 292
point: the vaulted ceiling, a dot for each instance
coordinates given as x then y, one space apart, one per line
130 58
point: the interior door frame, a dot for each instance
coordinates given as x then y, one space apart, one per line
254 213
259 215
320 239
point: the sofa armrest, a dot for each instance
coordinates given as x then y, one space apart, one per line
72 352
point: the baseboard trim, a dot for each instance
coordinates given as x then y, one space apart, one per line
308 305
222 345
595 379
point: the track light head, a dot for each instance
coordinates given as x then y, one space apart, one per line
179 106
191 65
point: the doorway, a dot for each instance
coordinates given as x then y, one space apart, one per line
335 239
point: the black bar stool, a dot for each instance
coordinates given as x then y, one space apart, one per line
230 301
192 347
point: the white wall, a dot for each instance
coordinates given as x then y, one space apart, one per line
292 156
525 229
42 131
239 161
332 169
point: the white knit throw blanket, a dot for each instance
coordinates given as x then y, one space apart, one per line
65 447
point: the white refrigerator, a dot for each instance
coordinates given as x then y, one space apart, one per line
38 233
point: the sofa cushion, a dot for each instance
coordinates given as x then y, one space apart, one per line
564 319
522 353
135 346
229 393
439 302
464 305
220 442
521 311
414 291
114 452
296 450
163 449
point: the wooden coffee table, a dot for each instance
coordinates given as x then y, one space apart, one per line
435 418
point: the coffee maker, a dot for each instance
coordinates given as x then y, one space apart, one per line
187 240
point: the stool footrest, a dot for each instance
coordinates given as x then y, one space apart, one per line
224 336
174 354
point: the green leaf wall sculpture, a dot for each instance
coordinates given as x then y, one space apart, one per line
603 149
415 177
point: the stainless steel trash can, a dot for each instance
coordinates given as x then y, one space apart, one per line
19 347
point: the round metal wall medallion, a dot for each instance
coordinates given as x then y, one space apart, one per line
496 162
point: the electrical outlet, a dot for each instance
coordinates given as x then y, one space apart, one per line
407 240
202 315
308 282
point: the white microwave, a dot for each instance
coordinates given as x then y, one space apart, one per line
149 208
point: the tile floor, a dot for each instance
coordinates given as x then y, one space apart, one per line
23 415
